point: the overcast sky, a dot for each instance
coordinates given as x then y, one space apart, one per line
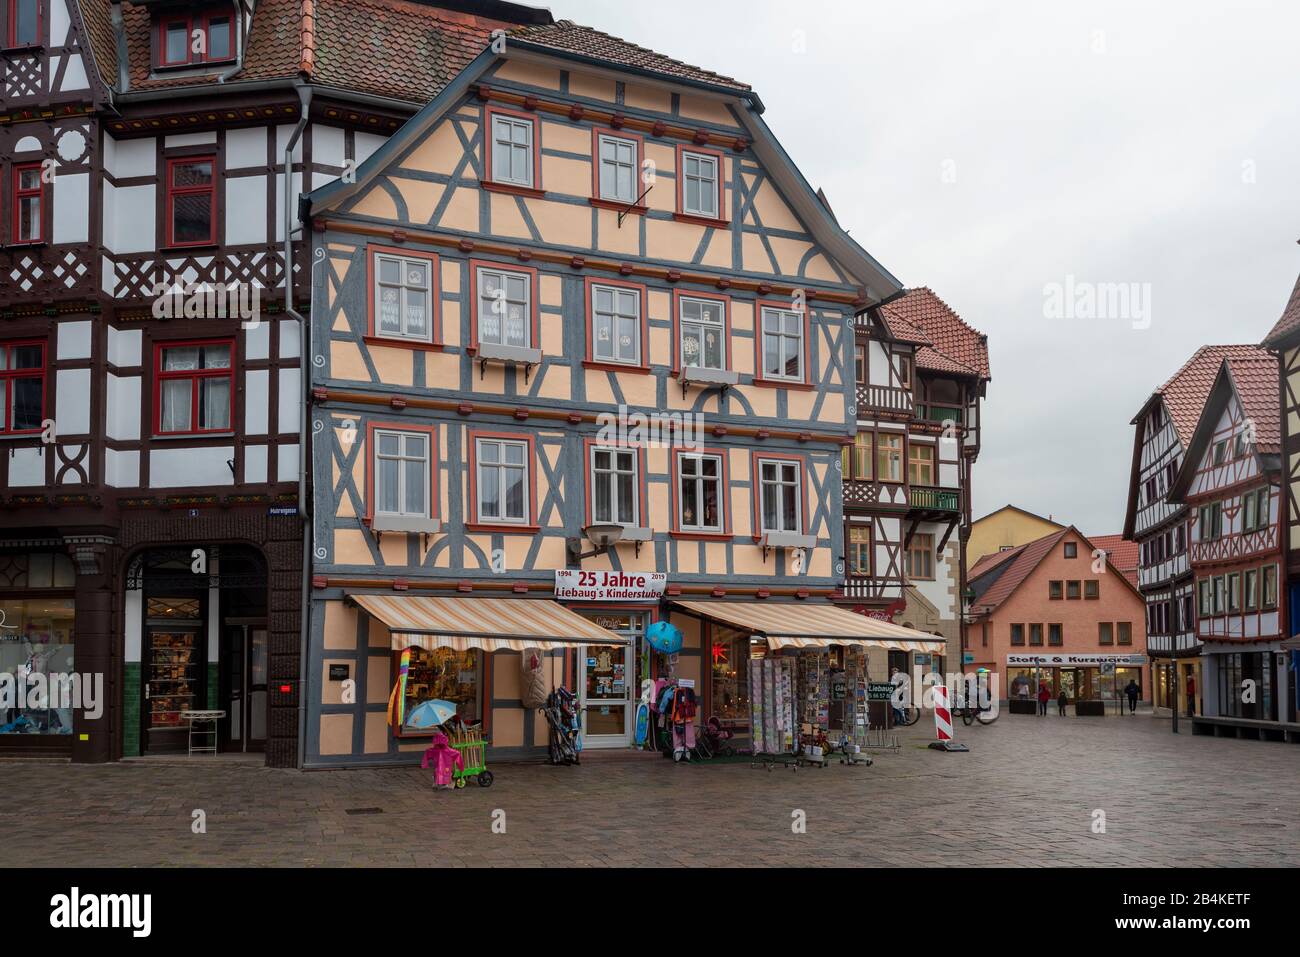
989 150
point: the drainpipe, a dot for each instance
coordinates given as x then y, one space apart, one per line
304 362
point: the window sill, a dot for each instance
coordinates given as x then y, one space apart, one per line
786 540
701 536
793 384
403 343
27 244
19 436
501 527
615 366
404 523
705 376
616 206
25 48
183 436
512 188
702 220
518 354
190 247
199 67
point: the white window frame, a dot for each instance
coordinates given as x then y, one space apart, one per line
501 468
401 457
703 326
781 335
619 295
486 305
699 479
402 286
699 177
511 124
611 475
618 143
782 483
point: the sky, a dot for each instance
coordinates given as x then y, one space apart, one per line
1024 159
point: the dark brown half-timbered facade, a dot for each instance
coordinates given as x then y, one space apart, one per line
920 375
153 294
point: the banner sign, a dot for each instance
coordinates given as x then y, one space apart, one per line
1066 661
573 584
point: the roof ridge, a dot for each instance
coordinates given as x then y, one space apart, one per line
955 313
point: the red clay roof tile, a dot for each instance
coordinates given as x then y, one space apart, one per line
1187 389
1290 320
953 346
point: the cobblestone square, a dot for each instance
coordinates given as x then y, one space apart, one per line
1025 795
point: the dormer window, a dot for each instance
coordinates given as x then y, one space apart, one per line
192 39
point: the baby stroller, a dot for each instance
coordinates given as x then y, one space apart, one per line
716 739
561 713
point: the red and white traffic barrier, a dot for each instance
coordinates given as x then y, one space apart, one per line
942 715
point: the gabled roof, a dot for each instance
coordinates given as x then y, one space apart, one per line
1253 379
1022 511
1008 575
947 343
1183 395
1287 326
572 38
992 560
1123 554
406 50
878 282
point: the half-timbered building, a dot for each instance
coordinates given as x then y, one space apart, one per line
152 288
1230 481
1163 429
1283 341
582 336
920 374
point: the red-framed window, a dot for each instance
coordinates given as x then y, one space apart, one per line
192 200
502 482
203 37
701 189
401 470
615 477
504 309
512 151
29 203
780 493
782 348
616 163
194 387
701 494
22 387
403 298
23 24
701 330
618 333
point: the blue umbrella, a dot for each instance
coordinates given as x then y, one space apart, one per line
664 636
430 714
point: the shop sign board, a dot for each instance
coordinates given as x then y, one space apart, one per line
1067 661
880 691
575 584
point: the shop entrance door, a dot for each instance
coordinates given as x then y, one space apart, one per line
243 687
606 696
172 674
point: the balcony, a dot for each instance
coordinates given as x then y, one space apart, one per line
940 413
925 498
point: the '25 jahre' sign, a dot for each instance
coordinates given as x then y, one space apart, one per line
573 584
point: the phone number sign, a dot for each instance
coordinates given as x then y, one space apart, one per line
572 584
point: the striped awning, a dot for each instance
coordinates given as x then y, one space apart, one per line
490 624
804 625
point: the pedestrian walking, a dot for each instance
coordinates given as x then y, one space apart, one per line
1044 696
1132 691
1061 699
1191 696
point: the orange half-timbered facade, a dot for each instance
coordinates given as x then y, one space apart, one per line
571 295
1231 484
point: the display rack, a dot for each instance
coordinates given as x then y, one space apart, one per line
772 714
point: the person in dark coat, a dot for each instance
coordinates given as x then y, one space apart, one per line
1061 701
1132 691
1044 696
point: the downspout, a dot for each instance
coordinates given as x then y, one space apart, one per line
304 362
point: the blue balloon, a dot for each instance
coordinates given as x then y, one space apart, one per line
664 636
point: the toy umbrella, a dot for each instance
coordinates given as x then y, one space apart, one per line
664 636
431 713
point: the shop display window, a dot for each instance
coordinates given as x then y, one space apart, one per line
729 694
36 640
443 674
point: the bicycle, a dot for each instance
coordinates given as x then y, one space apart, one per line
982 713
909 717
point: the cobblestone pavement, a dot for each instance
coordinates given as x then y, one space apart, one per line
1025 795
